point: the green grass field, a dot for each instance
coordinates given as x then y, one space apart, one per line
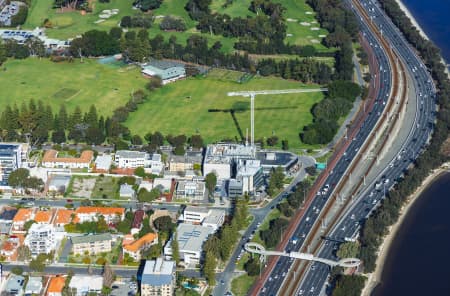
242 284
183 108
72 23
66 83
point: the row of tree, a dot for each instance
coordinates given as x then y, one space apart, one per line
305 70
338 102
377 224
220 245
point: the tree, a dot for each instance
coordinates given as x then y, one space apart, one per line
146 196
285 145
175 248
349 285
3 55
20 17
212 245
28 224
196 141
23 253
348 250
164 224
146 228
59 136
252 266
140 172
17 178
17 270
276 180
210 182
136 140
108 275
209 268
38 264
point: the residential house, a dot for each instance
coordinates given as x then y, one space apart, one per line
58 184
191 189
158 278
22 216
6 219
190 241
130 159
51 160
34 286
111 215
103 163
64 217
168 71
86 284
9 247
56 286
43 217
92 243
154 164
127 191
135 249
190 161
14 285
41 239
136 225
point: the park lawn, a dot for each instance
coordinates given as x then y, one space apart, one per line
297 11
176 8
72 84
184 107
235 9
242 284
70 24
275 213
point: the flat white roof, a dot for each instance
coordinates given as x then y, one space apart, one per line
86 282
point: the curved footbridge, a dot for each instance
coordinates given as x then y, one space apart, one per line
259 249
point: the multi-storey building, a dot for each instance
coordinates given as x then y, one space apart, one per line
158 278
12 155
93 243
40 239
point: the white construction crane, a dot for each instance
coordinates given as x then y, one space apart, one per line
253 93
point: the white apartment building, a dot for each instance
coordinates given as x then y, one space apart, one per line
158 278
190 241
93 243
194 215
130 159
41 239
11 157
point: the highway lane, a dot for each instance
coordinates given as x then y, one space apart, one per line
271 287
418 138
375 192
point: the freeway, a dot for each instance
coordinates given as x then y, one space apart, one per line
415 142
336 172
424 90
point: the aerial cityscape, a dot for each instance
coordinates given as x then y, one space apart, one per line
224 147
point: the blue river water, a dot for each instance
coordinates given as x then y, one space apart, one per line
433 17
419 258
418 261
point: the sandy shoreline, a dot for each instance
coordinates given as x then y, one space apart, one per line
373 279
419 28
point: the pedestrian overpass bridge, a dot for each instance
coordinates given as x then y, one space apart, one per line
259 249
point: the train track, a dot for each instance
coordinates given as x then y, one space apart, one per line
342 145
